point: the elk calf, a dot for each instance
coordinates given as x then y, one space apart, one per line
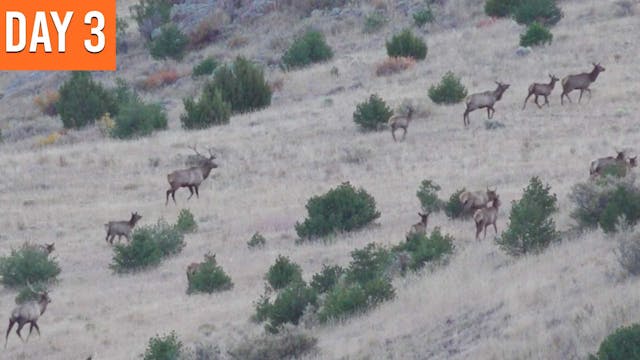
580 82
484 100
485 217
190 178
400 122
195 266
541 90
28 313
478 199
121 228
420 227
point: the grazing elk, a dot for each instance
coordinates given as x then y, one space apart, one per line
400 122
121 228
477 199
484 100
192 177
580 82
194 267
420 227
46 249
541 90
485 217
599 165
28 313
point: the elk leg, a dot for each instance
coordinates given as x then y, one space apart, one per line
536 101
489 112
20 325
35 325
173 196
580 98
167 202
546 100
478 230
6 338
107 238
525 101
589 91
465 117
191 191
30 330
495 228
404 134
485 230
197 195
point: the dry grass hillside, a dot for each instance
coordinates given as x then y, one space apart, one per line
483 304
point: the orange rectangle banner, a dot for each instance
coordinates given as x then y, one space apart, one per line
57 35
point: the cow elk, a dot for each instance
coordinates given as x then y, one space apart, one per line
121 228
538 89
598 166
28 313
46 249
420 227
472 201
195 266
485 217
580 82
484 100
192 177
400 122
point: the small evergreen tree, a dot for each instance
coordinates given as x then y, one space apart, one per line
536 34
407 44
372 114
449 91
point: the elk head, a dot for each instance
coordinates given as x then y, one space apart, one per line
204 161
597 67
491 194
553 78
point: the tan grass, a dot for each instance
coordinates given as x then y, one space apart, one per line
482 305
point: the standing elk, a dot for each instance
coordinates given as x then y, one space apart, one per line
538 89
400 122
477 199
195 266
484 100
599 165
580 82
485 217
28 313
121 228
420 227
192 177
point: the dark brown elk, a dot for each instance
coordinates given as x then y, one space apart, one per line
400 122
28 313
195 266
485 217
192 177
580 82
538 89
420 227
477 199
598 166
121 228
484 100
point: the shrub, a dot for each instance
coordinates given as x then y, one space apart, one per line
150 15
341 209
372 114
159 79
374 21
327 278
27 265
148 246
256 241
283 273
288 307
424 249
348 300
406 44
121 33
205 67
394 65
449 91
82 101
604 202
536 34
209 278
501 8
624 343
308 49
545 12
368 263
287 344
422 17
243 86
629 252
453 208
428 196
167 347
46 102
186 223
137 119
208 111
170 43
531 228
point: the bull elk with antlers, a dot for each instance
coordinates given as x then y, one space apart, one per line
28 313
192 177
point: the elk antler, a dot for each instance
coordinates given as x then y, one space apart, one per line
195 149
211 154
